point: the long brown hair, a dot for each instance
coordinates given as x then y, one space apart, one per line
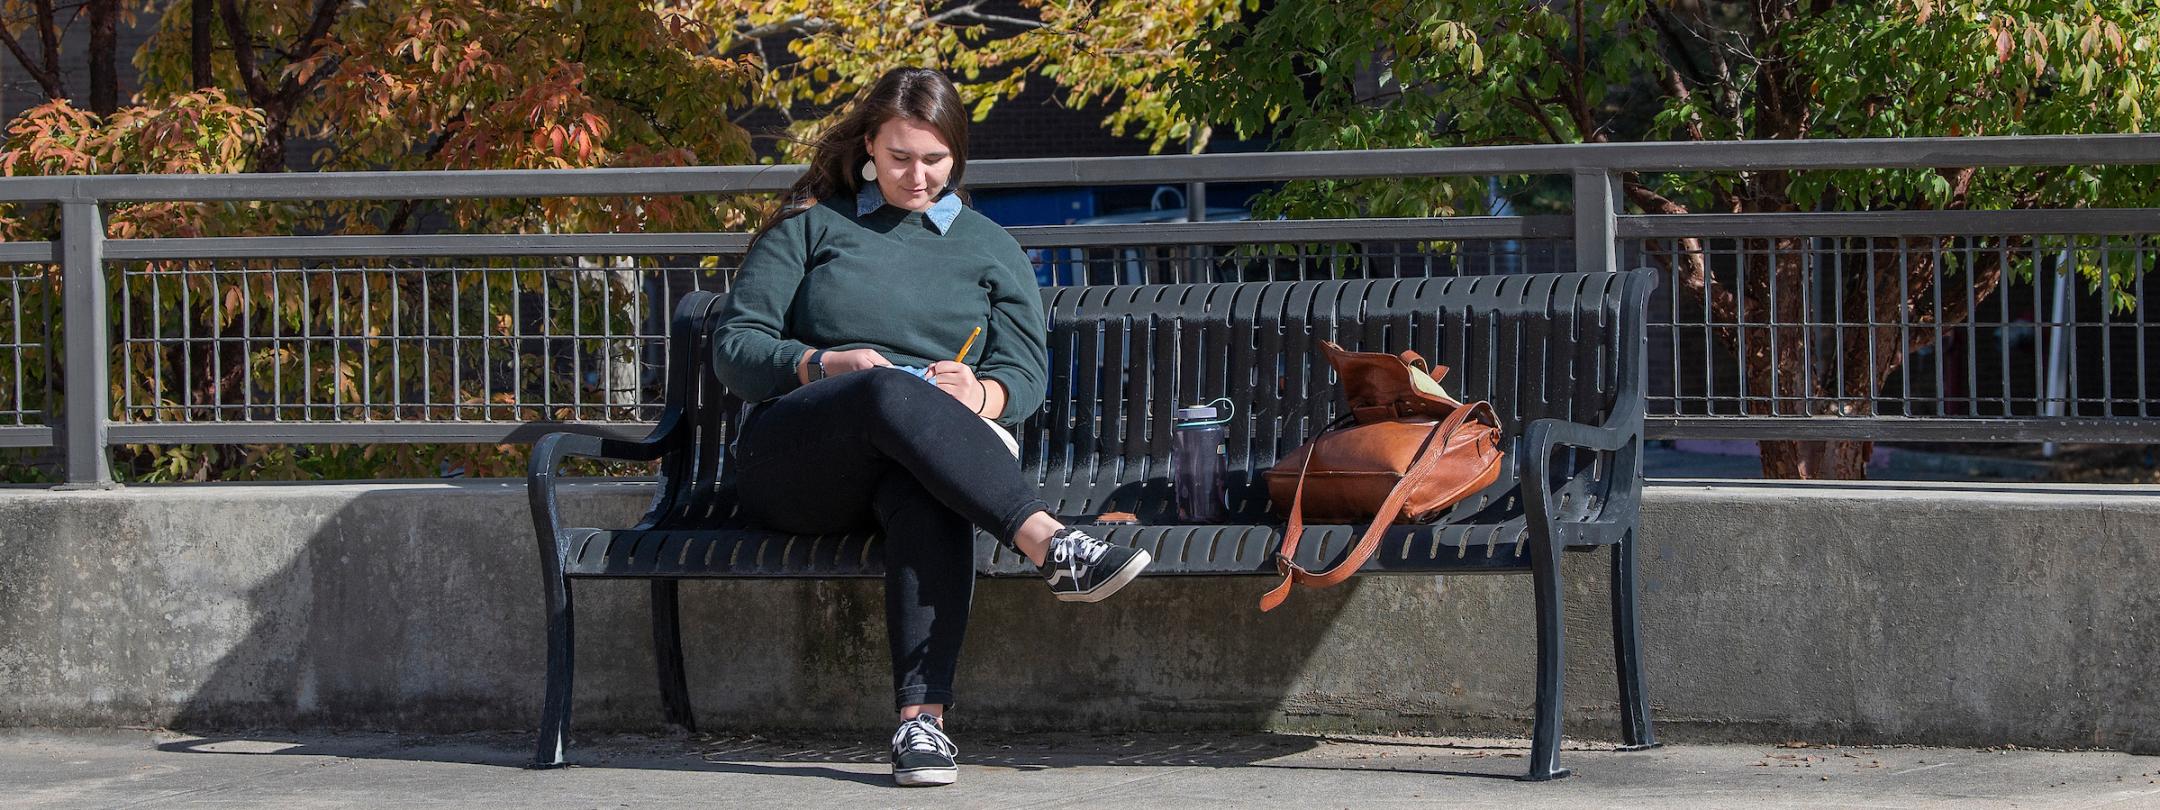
921 94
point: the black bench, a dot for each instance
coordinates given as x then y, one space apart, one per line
1561 357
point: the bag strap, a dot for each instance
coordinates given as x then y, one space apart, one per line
1426 465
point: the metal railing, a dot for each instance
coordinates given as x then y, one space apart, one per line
487 338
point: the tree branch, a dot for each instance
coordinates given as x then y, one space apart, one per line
48 22
1677 89
1578 97
243 45
1673 46
1529 103
1686 263
48 83
311 43
798 24
972 11
1960 186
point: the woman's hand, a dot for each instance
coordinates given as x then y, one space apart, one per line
838 363
958 379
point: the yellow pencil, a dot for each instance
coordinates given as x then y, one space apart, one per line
964 347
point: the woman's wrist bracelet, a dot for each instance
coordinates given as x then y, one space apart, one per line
982 397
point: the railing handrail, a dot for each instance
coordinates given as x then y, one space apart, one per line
1854 153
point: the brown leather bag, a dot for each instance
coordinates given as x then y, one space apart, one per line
1412 452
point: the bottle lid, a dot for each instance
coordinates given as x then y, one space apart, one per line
1194 414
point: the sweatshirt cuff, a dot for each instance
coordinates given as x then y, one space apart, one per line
1007 418
784 359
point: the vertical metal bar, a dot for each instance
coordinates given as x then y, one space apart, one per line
1808 249
2040 330
247 342
427 347
2144 395
278 339
1596 220
487 322
1709 330
216 318
1771 281
1906 305
187 341
397 339
1972 326
2107 326
127 348
51 336
547 342
337 344
307 345
1672 260
1739 285
516 336
82 262
2051 402
366 337
1837 321
2003 289
2070 327
457 336
15 285
1940 264
1874 391
577 347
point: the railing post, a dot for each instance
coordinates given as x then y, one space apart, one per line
82 266
1596 220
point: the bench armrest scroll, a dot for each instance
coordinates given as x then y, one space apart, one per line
1620 488
547 457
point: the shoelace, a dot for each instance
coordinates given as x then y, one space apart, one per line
1077 552
923 734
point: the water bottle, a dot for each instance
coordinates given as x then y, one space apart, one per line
1199 466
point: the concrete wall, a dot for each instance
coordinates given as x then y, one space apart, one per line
1956 616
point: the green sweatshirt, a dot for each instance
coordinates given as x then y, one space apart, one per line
888 280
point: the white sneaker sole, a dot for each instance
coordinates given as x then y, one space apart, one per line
926 777
1111 585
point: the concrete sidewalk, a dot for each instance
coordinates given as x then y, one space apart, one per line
52 769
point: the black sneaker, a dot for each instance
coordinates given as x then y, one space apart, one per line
1083 569
922 756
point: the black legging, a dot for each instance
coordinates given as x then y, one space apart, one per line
879 447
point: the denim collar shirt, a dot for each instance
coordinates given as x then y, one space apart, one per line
941 213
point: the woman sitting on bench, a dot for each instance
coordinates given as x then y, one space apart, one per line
888 334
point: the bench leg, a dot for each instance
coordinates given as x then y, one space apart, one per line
1627 650
555 702
1545 734
668 657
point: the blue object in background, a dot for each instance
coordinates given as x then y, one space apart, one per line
1054 206
1050 206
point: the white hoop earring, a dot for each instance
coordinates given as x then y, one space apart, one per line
869 170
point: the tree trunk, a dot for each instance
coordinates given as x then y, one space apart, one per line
270 154
1816 460
201 36
104 53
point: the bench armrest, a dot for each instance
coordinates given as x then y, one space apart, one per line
553 449
1621 434
548 455
1545 435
